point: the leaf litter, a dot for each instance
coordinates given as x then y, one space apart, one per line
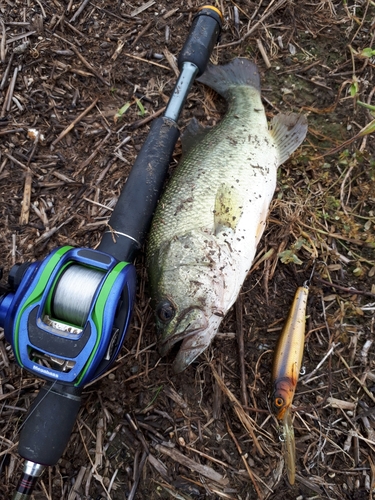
142 432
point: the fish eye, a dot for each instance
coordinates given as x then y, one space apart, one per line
165 311
279 402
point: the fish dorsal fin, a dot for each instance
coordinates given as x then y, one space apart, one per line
228 208
193 134
288 132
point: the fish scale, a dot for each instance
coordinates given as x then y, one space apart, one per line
210 164
213 212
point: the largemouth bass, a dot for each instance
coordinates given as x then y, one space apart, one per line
213 212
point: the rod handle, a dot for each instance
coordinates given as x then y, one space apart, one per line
49 423
131 218
203 35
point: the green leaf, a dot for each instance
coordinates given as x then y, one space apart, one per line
289 257
369 129
121 112
354 89
157 391
141 108
297 245
368 52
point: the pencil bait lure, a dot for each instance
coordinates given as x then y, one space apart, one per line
285 373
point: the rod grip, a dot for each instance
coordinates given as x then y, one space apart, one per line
131 218
203 35
49 423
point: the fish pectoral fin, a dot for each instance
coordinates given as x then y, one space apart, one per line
228 208
288 131
192 135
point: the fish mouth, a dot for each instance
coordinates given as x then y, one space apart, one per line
166 345
196 336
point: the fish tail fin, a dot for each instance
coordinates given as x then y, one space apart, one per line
288 131
238 72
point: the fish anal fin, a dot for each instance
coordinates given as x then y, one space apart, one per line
288 131
262 222
228 208
192 135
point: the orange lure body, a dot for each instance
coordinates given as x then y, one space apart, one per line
285 372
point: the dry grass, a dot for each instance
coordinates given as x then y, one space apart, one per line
143 432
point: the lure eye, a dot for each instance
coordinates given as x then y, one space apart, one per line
165 311
279 402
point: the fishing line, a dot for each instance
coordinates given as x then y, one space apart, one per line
74 294
27 418
39 402
119 233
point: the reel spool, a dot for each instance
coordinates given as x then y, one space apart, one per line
70 313
74 294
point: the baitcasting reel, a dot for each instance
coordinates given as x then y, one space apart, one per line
66 317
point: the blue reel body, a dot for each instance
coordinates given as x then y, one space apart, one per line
58 349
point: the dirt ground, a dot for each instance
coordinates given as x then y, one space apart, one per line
143 432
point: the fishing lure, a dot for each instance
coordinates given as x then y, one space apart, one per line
285 373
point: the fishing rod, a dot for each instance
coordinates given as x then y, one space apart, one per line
66 316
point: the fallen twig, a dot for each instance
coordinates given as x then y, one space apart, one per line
93 154
242 415
305 379
6 72
141 33
263 53
89 66
369 393
172 62
17 162
142 8
74 122
243 458
25 210
19 37
147 61
52 231
9 94
74 492
143 121
241 349
123 16
79 11
2 43
179 457
268 13
344 288
10 131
